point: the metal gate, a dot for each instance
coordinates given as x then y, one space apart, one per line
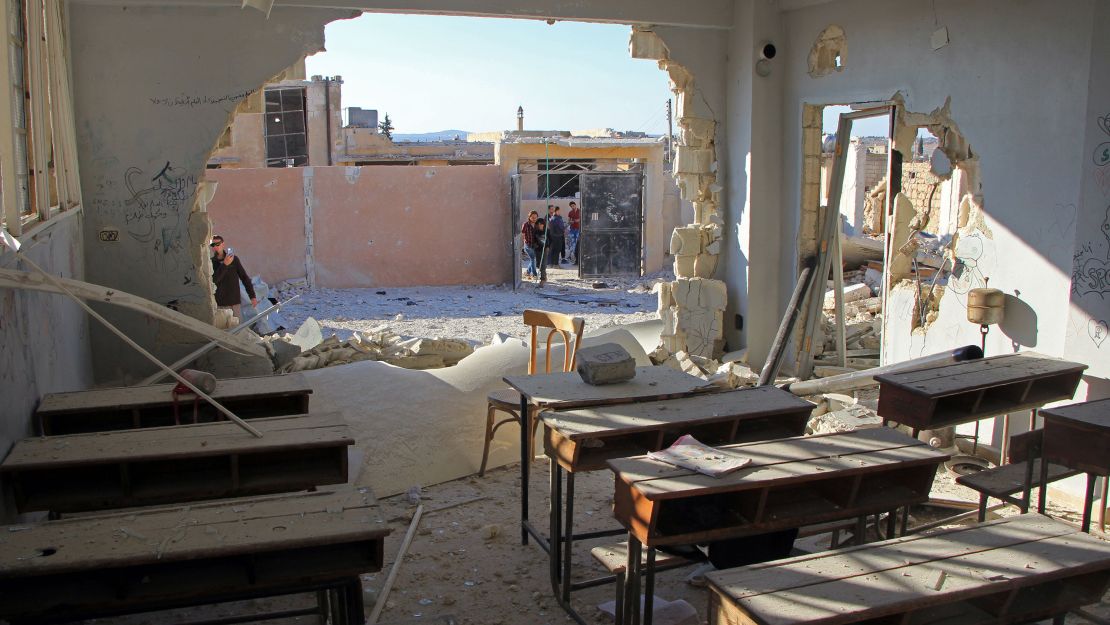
611 242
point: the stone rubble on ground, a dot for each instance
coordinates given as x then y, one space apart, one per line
863 324
379 344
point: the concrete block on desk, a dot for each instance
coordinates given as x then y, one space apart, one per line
607 363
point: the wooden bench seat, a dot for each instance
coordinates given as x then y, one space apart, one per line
1015 570
1022 474
139 561
125 408
153 466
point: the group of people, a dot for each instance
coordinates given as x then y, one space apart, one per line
550 241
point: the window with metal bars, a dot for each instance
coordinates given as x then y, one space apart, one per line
286 137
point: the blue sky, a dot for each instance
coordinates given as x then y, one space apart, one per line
434 73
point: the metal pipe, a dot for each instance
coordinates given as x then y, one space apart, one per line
866 378
786 327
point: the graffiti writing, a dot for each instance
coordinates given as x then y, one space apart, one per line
1101 157
1096 329
190 101
1090 268
967 273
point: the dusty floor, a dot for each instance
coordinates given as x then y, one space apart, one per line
475 312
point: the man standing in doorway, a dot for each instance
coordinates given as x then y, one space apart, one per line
227 273
574 228
556 232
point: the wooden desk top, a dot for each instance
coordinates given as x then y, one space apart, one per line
783 461
203 530
1095 414
921 571
159 394
604 421
167 443
567 390
978 374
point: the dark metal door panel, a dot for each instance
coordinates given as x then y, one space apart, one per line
611 243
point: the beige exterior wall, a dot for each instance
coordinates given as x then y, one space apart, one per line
371 226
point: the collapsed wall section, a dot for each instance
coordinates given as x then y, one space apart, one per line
692 307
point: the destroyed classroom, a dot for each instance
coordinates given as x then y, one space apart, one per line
863 382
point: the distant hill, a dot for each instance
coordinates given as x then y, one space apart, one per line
441 135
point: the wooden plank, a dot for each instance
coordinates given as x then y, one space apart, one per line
1009 479
935 582
9 199
1092 413
160 394
167 443
744 582
600 422
10 278
188 533
642 468
38 105
567 390
977 374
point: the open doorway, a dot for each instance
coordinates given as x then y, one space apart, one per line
849 161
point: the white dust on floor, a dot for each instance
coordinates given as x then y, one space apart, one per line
473 312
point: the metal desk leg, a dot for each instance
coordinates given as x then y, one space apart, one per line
649 587
861 530
1088 500
568 539
982 507
632 582
352 604
555 529
891 523
1043 486
525 461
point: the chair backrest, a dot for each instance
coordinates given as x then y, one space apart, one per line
565 325
1027 446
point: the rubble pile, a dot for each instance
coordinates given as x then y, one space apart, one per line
863 323
379 344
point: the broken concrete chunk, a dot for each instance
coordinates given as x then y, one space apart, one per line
309 335
450 350
284 352
852 293
607 363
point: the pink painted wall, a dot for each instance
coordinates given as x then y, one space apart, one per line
260 213
405 226
372 226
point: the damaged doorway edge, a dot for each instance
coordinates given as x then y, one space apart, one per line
931 219
692 307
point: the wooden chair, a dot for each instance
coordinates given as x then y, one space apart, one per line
508 400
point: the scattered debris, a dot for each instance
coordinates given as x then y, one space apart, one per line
381 344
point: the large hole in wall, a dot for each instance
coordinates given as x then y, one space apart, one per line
921 235
340 121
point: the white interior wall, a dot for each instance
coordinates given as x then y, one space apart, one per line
1089 312
753 181
44 337
1023 136
153 89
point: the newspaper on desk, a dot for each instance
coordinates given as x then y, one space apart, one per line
690 453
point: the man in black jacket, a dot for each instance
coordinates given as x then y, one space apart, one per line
227 272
